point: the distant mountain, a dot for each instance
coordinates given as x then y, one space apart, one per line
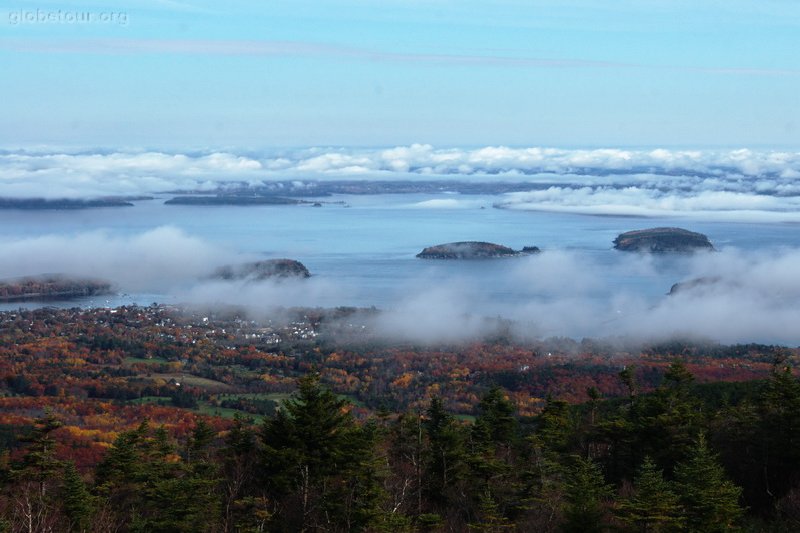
472 250
662 240
261 270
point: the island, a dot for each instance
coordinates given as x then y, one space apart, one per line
232 200
473 250
662 240
703 285
261 270
50 287
66 203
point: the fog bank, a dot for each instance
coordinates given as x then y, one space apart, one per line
747 296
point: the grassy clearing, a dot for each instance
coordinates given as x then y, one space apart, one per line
203 408
151 399
274 396
151 361
224 412
194 381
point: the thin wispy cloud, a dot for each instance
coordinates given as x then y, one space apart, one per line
267 48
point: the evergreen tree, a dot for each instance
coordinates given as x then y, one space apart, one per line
245 506
148 489
586 496
40 463
653 506
490 518
35 505
123 462
185 493
444 456
628 377
661 425
496 414
318 464
77 502
710 500
492 438
542 489
778 434
199 445
555 427
666 423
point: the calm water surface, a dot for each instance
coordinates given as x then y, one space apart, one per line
367 244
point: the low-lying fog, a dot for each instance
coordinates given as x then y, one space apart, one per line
749 295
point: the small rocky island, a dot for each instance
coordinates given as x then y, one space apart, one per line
662 240
703 285
51 287
261 270
473 250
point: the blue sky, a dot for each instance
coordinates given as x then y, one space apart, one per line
567 73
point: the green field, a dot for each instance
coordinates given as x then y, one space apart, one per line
194 381
150 361
274 396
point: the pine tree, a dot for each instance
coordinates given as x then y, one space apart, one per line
667 422
661 425
77 502
245 506
123 462
653 506
444 456
586 495
554 427
198 448
497 414
34 501
779 433
492 439
148 489
40 462
318 464
185 493
710 500
543 488
491 519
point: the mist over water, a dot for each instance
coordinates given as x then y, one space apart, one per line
364 255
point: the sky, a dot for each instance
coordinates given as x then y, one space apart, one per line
196 74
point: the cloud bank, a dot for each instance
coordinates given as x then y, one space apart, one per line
159 260
739 185
751 297
63 175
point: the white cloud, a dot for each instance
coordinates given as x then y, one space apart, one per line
739 184
79 175
448 203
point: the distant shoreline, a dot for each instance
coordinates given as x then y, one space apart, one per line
39 204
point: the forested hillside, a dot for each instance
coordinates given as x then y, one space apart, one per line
143 419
